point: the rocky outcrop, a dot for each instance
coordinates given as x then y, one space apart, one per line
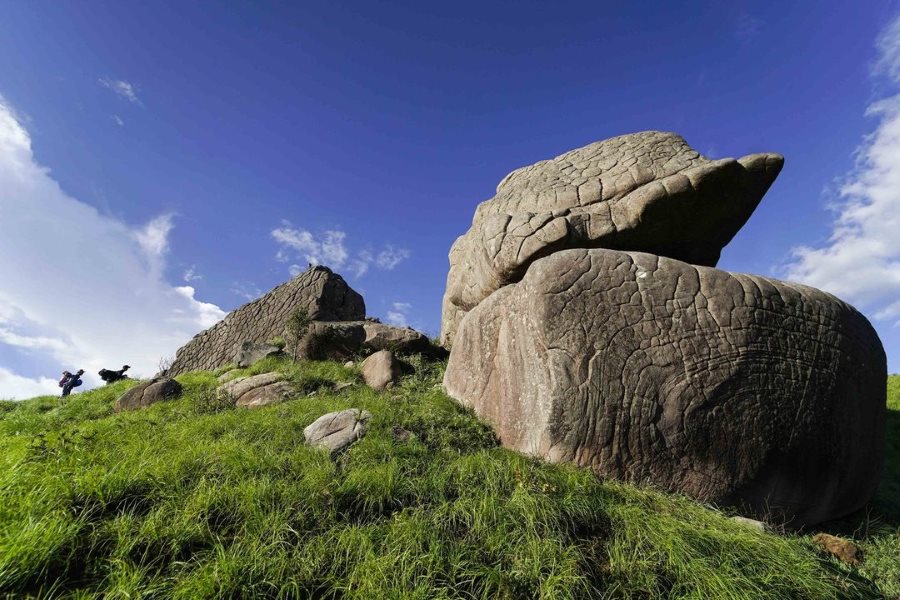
340 341
734 389
147 393
337 431
648 191
251 352
324 294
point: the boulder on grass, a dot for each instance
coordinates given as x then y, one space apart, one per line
258 390
337 431
381 370
734 389
267 394
147 393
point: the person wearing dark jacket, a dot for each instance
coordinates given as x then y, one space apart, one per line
73 381
113 376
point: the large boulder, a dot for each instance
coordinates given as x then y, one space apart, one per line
147 393
648 191
323 294
733 389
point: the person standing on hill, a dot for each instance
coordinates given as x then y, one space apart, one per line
112 376
73 381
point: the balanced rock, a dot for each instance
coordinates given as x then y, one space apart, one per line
323 294
734 389
251 352
147 393
381 370
338 430
649 192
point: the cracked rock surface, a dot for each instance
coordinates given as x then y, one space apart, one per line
258 390
734 389
647 191
337 431
324 294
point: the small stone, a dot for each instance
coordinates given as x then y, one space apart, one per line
349 364
337 431
342 385
751 523
844 550
400 434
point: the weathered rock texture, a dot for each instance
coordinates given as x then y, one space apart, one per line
324 294
381 370
647 191
147 393
258 390
251 352
337 431
342 340
731 388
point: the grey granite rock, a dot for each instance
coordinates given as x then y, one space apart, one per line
337 431
324 294
648 191
147 393
734 389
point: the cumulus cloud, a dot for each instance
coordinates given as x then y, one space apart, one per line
14 387
121 88
330 249
80 289
398 314
191 274
861 260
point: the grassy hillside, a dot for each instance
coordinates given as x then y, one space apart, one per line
194 499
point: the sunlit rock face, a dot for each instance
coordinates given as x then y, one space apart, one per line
648 191
734 389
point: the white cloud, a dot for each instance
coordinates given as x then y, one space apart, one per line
398 314
390 257
14 387
80 289
330 249
122 89
118 120
191 274
861 260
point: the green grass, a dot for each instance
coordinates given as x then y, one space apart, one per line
193 499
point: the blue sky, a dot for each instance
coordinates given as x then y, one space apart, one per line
163 162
